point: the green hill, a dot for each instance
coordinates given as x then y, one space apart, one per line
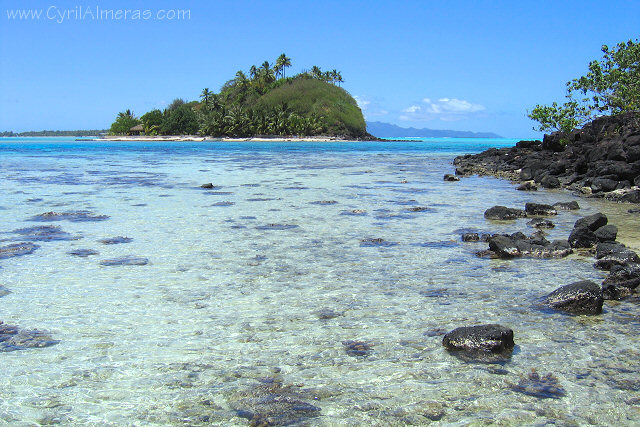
308 96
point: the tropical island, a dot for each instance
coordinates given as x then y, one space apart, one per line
263 102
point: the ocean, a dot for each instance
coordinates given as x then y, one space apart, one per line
311 285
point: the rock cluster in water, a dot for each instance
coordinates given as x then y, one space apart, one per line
271 403
13 338
600 160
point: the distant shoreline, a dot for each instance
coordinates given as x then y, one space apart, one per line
174 138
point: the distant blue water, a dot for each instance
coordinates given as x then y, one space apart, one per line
64 145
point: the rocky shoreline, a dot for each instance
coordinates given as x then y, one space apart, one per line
601 160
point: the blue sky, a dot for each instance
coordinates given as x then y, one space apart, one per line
464 65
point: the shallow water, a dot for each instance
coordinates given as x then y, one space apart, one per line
238 277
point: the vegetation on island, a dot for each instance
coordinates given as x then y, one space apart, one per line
263 101
610 87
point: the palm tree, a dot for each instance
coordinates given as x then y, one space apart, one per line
206 96
282 63
266 72
253 72
316 72
339 78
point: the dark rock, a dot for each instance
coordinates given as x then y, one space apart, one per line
616 292
550 181
608 233
13 338
323 202
208 186
354 212
583 297
419 209
592 222
83 252
504 213
541 223
543 387
603 185
470 237
77 216
527 186
273 404
115 240
222 204
539 209
489 343
125 260
327 313
582 237
567 206
17 249
44 233
451 178
625 275
631 197
277 227
357 348
504 247
610 254
371 242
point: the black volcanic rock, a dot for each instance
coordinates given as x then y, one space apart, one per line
592 222
601 157
583 297
540 209
485 343
504 213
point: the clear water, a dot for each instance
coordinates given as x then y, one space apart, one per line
225 301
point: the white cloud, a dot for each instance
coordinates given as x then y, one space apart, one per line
447 109
411 109
370 108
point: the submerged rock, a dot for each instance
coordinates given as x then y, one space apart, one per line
83 252
323 202
327 313
470 237
621 282
451 178
484 343
584 297
277 227
4 291
13 338
543 387
354 212
271 403
17 249
376 242
44 233
358 348
208 186
125 260
504 213
116 240
74 216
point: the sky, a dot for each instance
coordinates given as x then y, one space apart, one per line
462 65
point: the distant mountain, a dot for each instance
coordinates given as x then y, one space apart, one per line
387 130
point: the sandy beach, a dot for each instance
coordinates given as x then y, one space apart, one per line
194 138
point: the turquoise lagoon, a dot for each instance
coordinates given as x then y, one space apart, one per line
261 280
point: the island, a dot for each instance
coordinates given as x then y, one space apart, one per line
262 103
